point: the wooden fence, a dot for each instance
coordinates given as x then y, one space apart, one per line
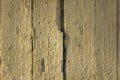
60 39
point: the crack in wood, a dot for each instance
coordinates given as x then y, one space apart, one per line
32 37
63 30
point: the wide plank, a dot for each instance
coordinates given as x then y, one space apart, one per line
105 39
47 40
16 40
79 39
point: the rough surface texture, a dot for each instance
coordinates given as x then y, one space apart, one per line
16 40
91 44
47 48
0 35
105 39
60 39
79 30
118 41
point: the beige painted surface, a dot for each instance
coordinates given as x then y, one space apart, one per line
90 28
0 35
16 40
118 26
47 48
79 30
32 44
105 39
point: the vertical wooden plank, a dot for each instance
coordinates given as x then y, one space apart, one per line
47 52
105 39
16 40
0 35
118 29
79 30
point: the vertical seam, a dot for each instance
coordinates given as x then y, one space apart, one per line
32 38
63 30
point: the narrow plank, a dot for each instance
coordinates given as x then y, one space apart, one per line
79 30
118 29
47 52
0 35
16 40
105 39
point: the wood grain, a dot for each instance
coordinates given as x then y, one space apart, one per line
91 43
105 39
16 40
32 45
47 52
79 30
0 35
118 41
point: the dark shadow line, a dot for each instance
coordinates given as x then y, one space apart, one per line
63 30
32 38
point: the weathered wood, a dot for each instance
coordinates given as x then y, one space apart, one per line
118 41
31 43
16 40
105 39
79 30
47 49
0 35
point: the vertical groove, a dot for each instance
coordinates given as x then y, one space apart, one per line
63 30
117 30
32 38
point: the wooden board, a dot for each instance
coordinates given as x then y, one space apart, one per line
32 45
47 44
16 40
79 35
105 39
90 28
118 41
0 35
